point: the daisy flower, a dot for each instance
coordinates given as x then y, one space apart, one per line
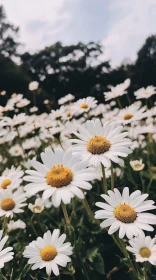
68 114
118 90
26 129
98 110
99 143
61 176
8 107
16 120
110 115
67 98
8 137
13 225
11 178
131 113
3 93
6 254
16 97
16 172
16 151
137 165
31 143
24 102
113 103
84 104
57 114
124 212
38 207
33 109
33 85
144 93
55 131
144 248
11 203
46 101
49 252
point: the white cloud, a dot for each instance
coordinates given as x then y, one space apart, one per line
50 14
134 21
43 22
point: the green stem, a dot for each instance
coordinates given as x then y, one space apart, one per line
104 179
147 103
33 228
128 99
68 224
132 180
126 254
122 248
84 270
65 213
145 271
59 142
39 223
119 104
73 205
142 182
88 210
4 226
149 185
3 277
112 177
116 241
148 153
51 218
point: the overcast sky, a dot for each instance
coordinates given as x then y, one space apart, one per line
121 25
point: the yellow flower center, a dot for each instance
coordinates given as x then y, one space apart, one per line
84 106
98 145
145 252
48 253
68 114
128 116
37 209
138 165
5 183
125 213
59 176
7 204
16 151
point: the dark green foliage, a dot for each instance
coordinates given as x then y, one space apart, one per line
8 44
12 77
68 69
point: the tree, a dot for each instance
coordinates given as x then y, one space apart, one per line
145 66
69 69
8 32
12 77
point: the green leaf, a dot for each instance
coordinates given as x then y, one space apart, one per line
98 264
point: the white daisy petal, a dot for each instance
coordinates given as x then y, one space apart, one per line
49 252
126 212
61 176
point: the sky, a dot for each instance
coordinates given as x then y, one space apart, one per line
120 25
